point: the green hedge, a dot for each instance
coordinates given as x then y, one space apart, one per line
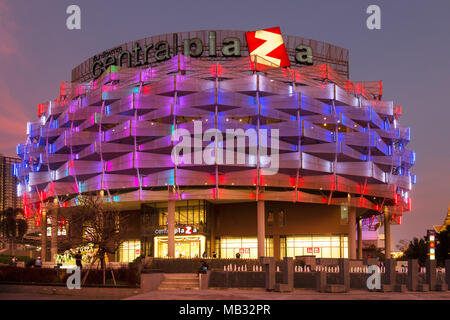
6 258
123 276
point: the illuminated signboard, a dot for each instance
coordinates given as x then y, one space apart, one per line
269 45
431 244
266 43
186 230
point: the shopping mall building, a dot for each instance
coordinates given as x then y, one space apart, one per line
338 161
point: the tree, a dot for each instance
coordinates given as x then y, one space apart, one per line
417 249
100 223
443 246
376 252
13 226
402 245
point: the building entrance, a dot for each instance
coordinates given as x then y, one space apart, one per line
185 246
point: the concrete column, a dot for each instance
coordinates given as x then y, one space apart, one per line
44 235
276 246
171 228
321 281
344 273
412 274
387 234
268 264
390 274
431 275
54 239
351 232
359 231
261 227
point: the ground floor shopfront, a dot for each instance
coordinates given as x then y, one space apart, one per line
201 228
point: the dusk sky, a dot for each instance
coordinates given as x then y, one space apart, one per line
411 54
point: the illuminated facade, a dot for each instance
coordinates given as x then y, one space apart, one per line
342 152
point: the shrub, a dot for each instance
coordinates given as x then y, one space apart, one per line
6 258
123 276
28 275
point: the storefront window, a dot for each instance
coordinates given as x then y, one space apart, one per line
162 217
282 247
183 215
246 247
129 250
188 212
321 246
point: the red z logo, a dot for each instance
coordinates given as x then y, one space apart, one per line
269 45
188 230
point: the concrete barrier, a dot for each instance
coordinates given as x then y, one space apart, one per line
321 281
268 264
389 276
307 261
447 271
150 281
431 275
203 279
413 268
288 276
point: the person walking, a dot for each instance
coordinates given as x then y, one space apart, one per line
38 262
78 258
14 261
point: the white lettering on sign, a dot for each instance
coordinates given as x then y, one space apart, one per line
185 230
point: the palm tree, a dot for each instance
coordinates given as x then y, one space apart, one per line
417 249
13 226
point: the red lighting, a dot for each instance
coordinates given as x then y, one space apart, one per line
269 45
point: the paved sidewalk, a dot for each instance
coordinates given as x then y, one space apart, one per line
40 292
299 294
220 294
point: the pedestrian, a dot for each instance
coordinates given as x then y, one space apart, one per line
203 268
38 262
214 255
14 261
204 255
238 255
78 258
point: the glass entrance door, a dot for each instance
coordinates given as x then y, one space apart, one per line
185 246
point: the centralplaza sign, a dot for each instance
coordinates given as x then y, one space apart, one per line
186 230
266 43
